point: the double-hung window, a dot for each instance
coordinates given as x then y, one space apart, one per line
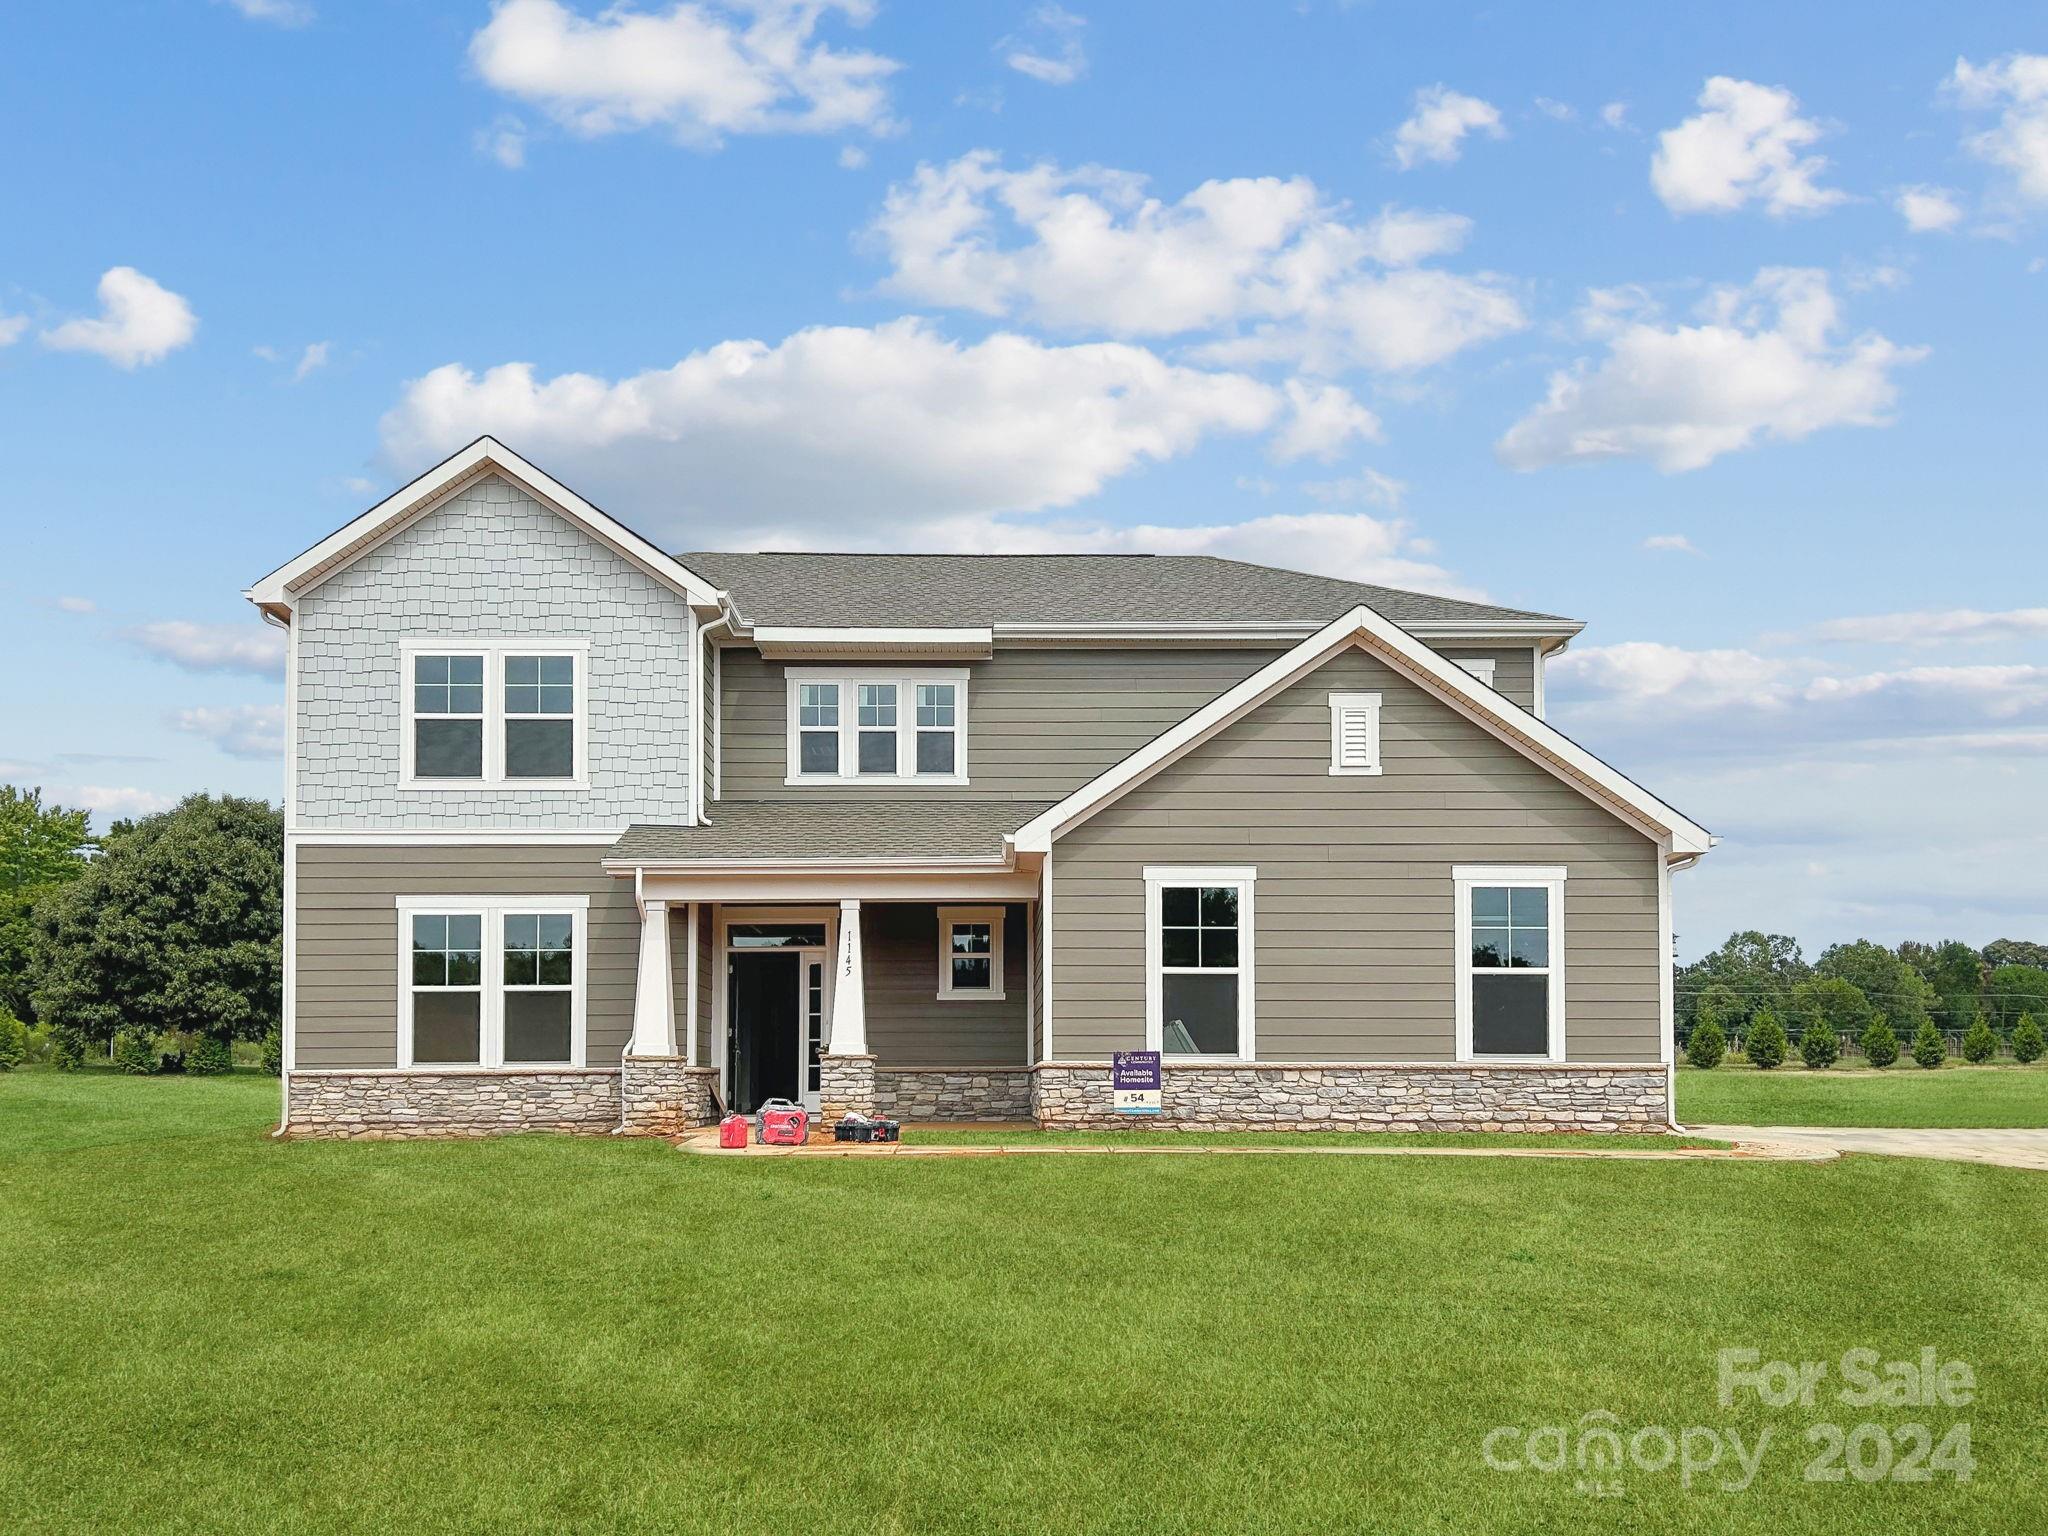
1198 972
491 982
503 713
849 726
1510 958
971 954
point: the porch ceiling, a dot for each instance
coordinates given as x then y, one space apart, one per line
783 830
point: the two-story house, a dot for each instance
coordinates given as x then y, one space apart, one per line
584 834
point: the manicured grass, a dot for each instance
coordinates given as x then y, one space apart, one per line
1979 1098
971 1136
205 1330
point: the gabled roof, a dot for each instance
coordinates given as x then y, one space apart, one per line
1542 744
776 589
413 501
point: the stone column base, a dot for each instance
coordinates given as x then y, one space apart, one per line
845 1083
1346 1096
661 1096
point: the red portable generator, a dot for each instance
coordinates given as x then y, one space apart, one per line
732 1131
784 1124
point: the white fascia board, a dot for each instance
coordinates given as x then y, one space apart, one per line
1541 743
795 641
484 455
1277 632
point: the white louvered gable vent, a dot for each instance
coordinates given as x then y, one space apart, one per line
1354 733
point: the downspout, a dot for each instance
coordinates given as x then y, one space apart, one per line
287 919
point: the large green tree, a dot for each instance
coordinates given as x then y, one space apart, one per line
174 928
2015 990
1956 973
2015 952
1893 987
1759 969
42 847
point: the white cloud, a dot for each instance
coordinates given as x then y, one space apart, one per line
1928 209
78 605
1746 144
252 648
852 429
1556 111
1932 627
1324 420
115 802
1671 543
239 730
2016 87
1274 271
852 157
700 70
311 360
1049 48
140 322
1766 362
1368 487
504 141
1435 132
12 329
285 13
1615 115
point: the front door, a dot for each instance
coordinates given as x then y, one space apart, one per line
766 1062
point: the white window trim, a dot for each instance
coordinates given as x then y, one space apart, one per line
1157 878
494 649
491 1037
849 680
994 917
1342 704
1481 667
1464 878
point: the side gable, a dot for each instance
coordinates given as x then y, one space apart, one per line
282 588
1458 689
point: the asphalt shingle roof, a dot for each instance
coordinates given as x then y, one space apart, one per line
969 591
968 827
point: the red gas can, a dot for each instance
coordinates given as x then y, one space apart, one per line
732 1131
784 1124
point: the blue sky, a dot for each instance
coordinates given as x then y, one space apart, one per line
1719 330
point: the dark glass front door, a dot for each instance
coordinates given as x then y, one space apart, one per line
765 998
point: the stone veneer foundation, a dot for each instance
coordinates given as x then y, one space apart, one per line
1245 1096
363 1105
954 1093
845 1082
664 1096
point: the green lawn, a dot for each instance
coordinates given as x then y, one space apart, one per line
1973 1097
208 1331
1142 1136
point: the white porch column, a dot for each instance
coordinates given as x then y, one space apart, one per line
849 999
654 991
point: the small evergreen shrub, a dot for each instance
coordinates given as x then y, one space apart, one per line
13 1041
1929 1049
1706 1045
209 1056
1979 1043
1766 1044
135 1052
67 1049
1820 1046
273 1051
1880 1045
2027 1043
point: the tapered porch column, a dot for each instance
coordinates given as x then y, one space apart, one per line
846 1072
654 991
849 1001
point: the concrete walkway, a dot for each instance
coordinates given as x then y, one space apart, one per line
2003 1149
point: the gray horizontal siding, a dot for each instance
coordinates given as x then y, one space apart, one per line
346 939
1514 669
908 1024
1040 723
1354 934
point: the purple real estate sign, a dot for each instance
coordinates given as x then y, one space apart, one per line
1134 1082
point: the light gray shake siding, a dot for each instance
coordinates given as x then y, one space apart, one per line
1354 923
347 930
492 562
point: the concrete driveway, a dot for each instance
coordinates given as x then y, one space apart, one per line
2004 1149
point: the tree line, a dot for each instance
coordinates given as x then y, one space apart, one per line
159 943
1760 983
